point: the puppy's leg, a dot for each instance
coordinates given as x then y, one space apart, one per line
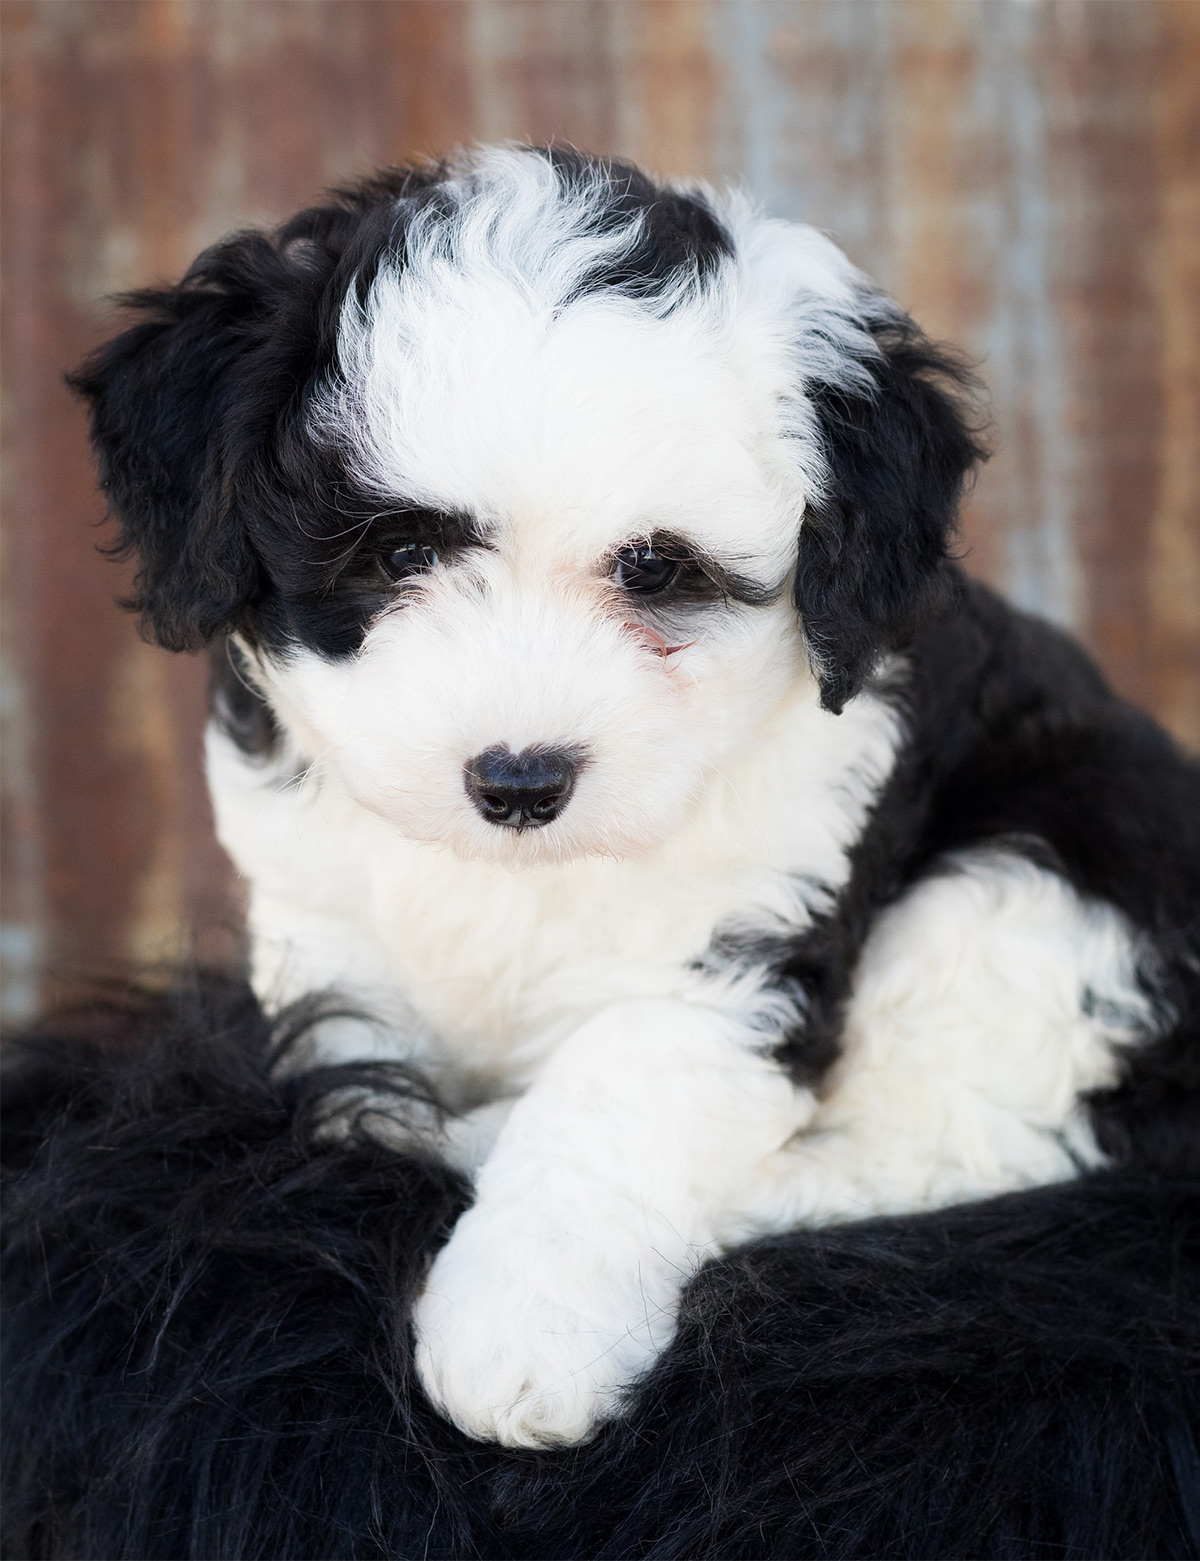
987 1003
606 1189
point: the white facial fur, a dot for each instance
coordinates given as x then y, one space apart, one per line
484 657
472 380
653 1126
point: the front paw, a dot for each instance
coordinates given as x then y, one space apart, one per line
531 1339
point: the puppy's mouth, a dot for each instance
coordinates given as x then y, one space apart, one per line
522 791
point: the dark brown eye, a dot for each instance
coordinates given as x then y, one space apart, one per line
410 558
642 570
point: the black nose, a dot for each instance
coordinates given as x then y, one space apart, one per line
522 790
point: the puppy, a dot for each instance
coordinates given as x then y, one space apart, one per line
596 704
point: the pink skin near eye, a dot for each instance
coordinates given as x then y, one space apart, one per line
654 641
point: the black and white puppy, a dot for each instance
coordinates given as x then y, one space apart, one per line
596 704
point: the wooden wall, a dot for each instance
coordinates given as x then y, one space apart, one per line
1023 174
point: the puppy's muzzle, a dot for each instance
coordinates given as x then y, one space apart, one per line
521 790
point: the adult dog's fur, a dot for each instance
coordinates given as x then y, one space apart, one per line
596 704
207 1354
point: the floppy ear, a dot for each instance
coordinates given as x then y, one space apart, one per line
161 396
899 441
184 402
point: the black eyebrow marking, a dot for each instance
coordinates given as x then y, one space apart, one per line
424 523
702 577
450 531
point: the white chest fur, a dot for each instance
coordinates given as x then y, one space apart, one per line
649 1113
482 969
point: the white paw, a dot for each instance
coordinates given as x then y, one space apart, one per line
529 1340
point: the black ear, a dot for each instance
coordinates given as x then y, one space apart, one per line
185 403
874 550
161 396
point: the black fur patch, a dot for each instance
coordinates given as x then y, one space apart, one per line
702 579
237 519
1014 739
873 554
206 1347
680 238
237 707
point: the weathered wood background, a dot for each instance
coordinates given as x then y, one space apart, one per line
1024 176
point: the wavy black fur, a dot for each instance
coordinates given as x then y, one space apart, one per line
875 553
241 521
237 517
206 1348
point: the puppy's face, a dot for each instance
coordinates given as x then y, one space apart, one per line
574 592
510 479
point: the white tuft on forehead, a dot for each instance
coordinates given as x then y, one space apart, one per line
481 372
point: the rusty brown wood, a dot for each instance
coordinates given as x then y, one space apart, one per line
1024 174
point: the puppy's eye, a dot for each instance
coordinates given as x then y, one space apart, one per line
410 558
644 571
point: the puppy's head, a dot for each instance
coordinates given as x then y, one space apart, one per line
529 489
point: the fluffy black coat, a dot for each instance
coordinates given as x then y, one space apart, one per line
207 1355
